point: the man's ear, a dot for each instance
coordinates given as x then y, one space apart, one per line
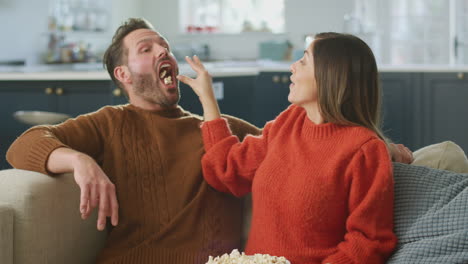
122 74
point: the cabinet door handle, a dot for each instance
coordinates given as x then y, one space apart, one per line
276 79
285 79
59 91
117 92
461 76
48 90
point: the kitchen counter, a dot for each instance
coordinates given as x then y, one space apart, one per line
95 71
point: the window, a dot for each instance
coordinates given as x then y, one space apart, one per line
231 16
413 31
419 32
460 46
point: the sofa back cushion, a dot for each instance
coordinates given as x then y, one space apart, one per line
431 215
446 155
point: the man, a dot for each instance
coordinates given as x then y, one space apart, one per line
140 163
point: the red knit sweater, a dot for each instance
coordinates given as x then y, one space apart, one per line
321 193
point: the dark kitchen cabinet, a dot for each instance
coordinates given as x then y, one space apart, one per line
80 97
418 108
270 96
234 94
399 108
68 97
444 108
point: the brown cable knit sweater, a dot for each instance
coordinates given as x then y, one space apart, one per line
167 212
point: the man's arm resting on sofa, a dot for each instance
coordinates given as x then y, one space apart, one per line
96 188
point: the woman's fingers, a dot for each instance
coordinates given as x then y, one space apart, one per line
192 64
198 62
195 64
185 79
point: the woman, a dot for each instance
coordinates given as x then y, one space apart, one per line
320 173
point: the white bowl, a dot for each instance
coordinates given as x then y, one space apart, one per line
39 117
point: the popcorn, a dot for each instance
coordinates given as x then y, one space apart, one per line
237 258
168 80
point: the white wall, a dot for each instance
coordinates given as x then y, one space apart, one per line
123 9
23 23
314 16
23 27
302 17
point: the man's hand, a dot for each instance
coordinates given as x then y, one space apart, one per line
96 188
400 153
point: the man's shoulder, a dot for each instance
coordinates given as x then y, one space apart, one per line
112 110
235 120
188 114
115 108
105 116
241 127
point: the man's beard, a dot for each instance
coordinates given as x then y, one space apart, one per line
150 89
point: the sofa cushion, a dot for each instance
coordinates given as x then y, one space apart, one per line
444 156
6 234
431 215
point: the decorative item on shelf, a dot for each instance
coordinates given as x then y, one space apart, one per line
60 51
276 50
74 28
247 26
191 29
78 15
264 27
181 50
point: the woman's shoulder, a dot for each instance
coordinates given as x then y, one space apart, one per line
362 132
362 137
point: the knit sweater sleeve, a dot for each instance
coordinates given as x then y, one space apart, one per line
31 150
370 237
228 164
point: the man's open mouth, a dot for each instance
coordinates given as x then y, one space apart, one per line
166 73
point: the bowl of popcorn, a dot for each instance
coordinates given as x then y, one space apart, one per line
240 258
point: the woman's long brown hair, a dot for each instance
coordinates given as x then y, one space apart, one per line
347 81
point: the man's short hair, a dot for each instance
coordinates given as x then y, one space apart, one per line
117 54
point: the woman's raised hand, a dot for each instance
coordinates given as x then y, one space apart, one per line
202 84
203 87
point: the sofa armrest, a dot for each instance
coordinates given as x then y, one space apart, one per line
47 224
6 235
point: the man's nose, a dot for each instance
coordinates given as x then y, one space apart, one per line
162 52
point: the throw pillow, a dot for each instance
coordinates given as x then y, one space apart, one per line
444 156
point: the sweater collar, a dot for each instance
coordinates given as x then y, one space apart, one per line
168 112
319 131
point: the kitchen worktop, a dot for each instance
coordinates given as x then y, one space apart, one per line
95 71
